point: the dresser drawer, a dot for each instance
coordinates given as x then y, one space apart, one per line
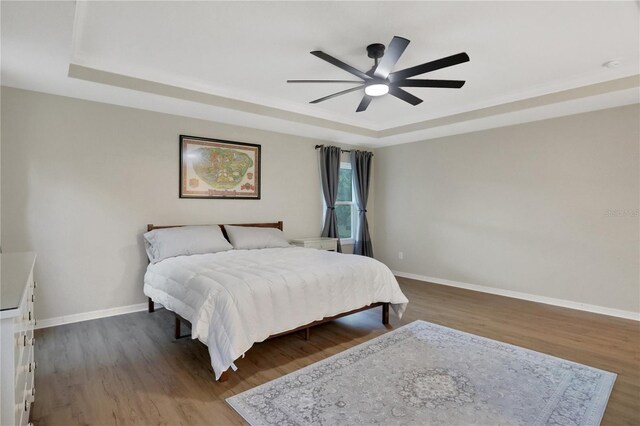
328 244
23 410
29 299
27 318
313 244
23 371
322 244
25 343
23 405
27 361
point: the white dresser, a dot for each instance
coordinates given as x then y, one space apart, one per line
320 243
17 320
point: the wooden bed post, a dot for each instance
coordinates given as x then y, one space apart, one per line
224 376
152 308
385 314
176 332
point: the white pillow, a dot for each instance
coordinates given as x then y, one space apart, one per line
249 237
184 240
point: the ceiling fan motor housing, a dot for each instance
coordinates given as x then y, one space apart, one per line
375 50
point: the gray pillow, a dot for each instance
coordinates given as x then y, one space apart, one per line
184 240
248 237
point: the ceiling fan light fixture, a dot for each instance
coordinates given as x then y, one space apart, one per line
376 89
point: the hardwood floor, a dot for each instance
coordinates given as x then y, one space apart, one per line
129 370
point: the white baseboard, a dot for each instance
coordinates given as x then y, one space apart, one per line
526 296
86 316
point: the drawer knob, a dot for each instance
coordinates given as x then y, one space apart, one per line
26 341
33 297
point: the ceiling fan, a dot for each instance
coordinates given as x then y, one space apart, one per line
379 80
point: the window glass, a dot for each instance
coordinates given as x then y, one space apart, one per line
343 212
344 185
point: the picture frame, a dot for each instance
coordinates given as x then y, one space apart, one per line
219 169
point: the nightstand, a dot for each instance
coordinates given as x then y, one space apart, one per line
320 243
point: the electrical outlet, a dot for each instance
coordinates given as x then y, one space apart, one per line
400 255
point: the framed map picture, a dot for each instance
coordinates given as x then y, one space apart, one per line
212 168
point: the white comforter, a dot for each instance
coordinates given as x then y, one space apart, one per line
238 297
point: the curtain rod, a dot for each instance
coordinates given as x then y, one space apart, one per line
341 150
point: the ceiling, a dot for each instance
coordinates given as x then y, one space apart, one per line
229 61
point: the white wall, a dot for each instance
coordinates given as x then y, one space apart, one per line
523 208
80 181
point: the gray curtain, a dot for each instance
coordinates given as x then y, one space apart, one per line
329 175
361 169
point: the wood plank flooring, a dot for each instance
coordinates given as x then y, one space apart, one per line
128 370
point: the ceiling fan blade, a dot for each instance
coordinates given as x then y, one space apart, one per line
344 92
405 96
448 84
338 63
324 81
364 103
394 51
429 66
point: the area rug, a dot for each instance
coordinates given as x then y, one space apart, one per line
426 374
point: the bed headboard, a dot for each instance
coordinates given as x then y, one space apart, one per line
277 225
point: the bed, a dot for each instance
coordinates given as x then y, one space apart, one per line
233 299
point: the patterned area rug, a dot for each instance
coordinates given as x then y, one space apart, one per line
423 373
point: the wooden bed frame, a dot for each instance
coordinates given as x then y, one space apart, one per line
307 328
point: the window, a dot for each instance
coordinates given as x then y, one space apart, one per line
345 208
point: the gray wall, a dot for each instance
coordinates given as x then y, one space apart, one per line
547 208
80 181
